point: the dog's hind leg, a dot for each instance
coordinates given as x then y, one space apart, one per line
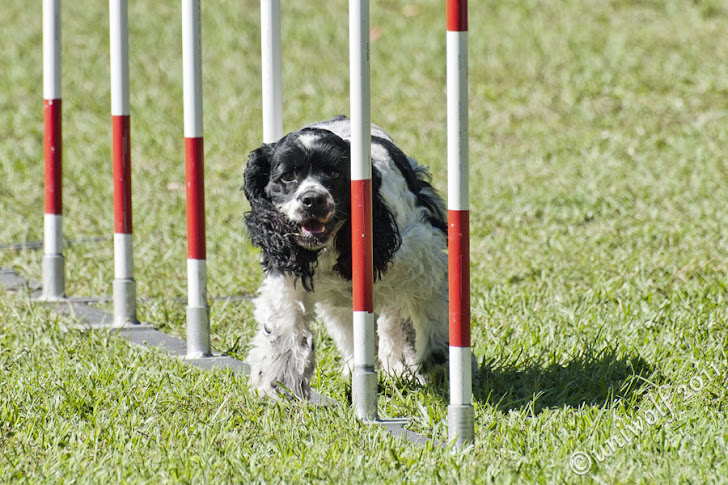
397 344
432 341
430 319
282 356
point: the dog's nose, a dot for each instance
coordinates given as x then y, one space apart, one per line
313 200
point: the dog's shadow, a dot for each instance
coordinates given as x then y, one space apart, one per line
589 378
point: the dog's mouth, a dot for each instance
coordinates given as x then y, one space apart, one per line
315 232
314 227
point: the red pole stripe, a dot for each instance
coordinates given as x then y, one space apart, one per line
459 277
457 15
53 156
195 175
361 245
121 157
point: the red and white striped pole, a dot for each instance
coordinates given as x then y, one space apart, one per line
54 276
198 322
460 410
270 33
364 378
124 284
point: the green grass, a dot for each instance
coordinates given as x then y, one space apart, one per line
599 176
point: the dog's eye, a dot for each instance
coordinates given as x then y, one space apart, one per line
288 177
334 175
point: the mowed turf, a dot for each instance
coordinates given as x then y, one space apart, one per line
599 187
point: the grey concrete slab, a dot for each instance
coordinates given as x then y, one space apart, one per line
91 300
396 428
31 245
321 400
90 316
221 362
155 339
37 245
12 281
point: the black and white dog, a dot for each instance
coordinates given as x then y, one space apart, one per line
299 193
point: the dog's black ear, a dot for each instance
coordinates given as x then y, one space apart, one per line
386 237
257 172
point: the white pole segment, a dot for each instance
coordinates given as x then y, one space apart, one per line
119 49
457 121
51 49
192 68
270 21
359 79
197 282
53 234
364 350
123 259
461 380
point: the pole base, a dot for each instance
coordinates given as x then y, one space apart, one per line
364 393
124 302
461 425
54 277
198 332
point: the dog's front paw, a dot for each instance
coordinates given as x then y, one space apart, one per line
276 389
272 381
263 389
395 367
278 368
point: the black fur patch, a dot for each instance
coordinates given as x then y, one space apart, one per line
418 180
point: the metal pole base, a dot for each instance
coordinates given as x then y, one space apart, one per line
364 393
460 425
54 277
198 332
124 302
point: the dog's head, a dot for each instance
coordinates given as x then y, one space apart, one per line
305 177
299 191
299 194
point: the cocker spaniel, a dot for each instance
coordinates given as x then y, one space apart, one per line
299 192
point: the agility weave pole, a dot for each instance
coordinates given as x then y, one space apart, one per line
364 377
54 276
124 284
460 410
198 312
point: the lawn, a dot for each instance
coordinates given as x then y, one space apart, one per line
599 187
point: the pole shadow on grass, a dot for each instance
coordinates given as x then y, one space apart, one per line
592 378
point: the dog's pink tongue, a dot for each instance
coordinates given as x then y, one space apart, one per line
314 227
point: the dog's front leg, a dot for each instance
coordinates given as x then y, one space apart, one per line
283 348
